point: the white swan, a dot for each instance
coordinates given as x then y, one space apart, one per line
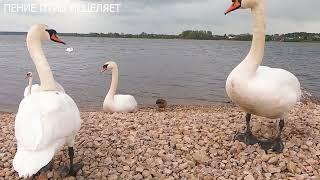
33 88
261 90
117 103
46 120
27 90
69 49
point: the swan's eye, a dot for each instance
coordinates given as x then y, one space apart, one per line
105 66
236 1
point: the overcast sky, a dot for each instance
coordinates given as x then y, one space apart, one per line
166 16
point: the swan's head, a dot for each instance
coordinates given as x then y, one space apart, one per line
43 33
109 66
244 4
29 75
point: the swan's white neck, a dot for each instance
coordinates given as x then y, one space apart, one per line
256 53
114 83
30 84
45 74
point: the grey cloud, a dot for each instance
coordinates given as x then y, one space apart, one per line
173 16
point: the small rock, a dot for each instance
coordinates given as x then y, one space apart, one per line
183 166
50 175
139 169
265 157
268 175
113 177
146 173
159 161
273 160
249 177
184 148
179 146
167 171
42 177
200 157
130 162
309 143
272 169
138 176
169 157
304 147
108 161
126 168
170 178
291 167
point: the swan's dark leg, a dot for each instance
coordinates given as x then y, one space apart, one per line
247 137
275 144
73 169
44 170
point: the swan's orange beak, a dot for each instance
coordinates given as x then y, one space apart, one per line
235 5
55 38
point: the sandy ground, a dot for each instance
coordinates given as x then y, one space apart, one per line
184 142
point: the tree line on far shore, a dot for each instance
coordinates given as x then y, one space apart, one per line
208 35
198 35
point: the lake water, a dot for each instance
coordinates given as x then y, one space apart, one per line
181 71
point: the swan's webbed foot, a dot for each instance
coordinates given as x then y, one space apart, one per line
247 137
70 171
276 145
41 174
73 169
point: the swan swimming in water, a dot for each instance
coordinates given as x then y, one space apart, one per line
46 120
119 102
260 90
69 49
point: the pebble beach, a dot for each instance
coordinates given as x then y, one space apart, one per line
182 142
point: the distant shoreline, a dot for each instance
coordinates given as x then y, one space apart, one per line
196 35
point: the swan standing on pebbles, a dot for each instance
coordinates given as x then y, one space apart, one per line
46 120
260 90
119 102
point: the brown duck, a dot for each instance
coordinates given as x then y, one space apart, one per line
161 104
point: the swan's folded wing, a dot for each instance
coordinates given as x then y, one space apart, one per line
28 125
125 103
44 118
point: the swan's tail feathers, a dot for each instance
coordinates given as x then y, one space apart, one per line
29 162
307 97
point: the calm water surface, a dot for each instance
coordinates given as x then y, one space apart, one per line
181 71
